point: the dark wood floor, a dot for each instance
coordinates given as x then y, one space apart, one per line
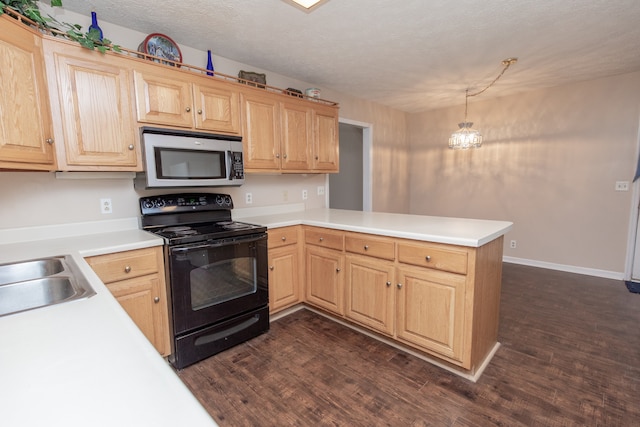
570 356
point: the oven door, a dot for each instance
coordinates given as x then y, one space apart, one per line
217 280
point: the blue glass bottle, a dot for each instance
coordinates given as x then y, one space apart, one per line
94 24
209 64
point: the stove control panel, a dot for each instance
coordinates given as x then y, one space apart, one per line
189 202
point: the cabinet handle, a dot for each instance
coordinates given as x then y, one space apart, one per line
284 156
317 157
322 239
131 147
338 270
366 247
271 267
188 109
428 258
284 238
399 285
127 269
277 156
388 284
156 300
199 111
49 141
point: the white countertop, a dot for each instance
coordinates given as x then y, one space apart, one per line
84 362
454 231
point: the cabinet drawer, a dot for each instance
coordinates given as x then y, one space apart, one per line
282 237
125 265
324 237
370 246
432 256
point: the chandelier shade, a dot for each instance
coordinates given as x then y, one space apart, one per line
465 137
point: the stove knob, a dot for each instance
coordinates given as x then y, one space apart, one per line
227 200
219 200
147 204
160 203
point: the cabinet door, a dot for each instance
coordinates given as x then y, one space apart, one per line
94 99
217 107
325 143
430 311
325 279
141 299
25 120
370 293
163 99
284 277
296 136
261 131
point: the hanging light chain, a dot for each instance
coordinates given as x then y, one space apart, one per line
507 63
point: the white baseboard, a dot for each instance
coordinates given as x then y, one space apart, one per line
616 275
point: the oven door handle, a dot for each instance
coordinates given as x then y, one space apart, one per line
219 244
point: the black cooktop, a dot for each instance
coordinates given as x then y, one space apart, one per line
193 217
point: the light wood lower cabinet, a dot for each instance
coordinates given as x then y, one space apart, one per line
136 279
285 268
26 133
440 299
370 293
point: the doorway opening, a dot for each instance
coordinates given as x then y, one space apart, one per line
351 188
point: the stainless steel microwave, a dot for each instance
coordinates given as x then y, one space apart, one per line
189 159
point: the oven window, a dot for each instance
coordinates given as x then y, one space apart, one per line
189 164
222 281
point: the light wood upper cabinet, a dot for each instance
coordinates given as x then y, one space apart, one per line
288 135
94 124
295 146
261 131
26 133
172 98
325 139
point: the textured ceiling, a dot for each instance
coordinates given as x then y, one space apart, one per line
413 55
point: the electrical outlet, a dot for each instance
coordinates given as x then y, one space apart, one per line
513 244
105 206
622 185
321 190
305 194
248 198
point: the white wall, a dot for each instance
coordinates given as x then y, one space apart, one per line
549 163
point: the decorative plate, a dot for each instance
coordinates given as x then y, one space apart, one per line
162 46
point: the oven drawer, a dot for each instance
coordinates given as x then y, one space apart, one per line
124 265
200 344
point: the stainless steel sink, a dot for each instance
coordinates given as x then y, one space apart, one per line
39 283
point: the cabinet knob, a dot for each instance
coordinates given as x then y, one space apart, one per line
49 141
131 147
284 156
338 270
388 284
366 247
284 238
277 156
199 111
271 267
322 239
317 157
187 109
156 300
428 258
399 285
127 269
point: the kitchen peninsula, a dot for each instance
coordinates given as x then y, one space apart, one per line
430 285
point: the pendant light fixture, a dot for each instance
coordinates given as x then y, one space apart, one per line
466 136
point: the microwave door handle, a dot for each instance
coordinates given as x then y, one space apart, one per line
229 165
